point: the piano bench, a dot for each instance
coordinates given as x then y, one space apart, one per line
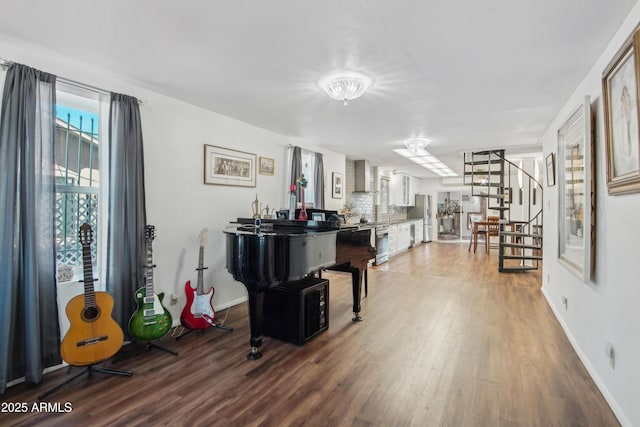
297 312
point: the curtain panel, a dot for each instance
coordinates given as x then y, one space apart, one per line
29 329
127 216
318 179
296 170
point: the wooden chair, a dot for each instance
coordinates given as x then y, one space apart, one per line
473 217
493 229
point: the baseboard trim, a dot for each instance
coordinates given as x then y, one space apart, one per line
593 373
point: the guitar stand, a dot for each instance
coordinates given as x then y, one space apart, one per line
148 346
213 326
88 370
151 345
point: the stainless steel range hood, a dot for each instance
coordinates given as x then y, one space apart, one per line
363 176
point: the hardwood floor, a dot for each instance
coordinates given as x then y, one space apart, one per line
446 341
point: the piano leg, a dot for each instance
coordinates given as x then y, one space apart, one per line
256 321
356 282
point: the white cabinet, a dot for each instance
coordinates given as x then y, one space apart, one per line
404 235
400 235
400 190
393 239
419 231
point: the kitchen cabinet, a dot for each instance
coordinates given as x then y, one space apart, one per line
419 231
404 235
400 190
393 239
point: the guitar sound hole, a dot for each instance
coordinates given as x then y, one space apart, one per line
90 314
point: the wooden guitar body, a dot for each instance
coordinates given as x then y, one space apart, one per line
198 312
93 335
151 320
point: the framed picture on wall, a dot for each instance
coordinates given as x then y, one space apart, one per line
223 166
336 185
267 166
576 211
551 170
620 91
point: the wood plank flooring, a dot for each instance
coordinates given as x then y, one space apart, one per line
446 341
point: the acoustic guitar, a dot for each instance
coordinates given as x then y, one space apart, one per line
93 335
151 320
198 312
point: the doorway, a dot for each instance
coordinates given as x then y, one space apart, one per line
449 214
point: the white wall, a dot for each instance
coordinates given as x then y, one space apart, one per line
178 203
605 309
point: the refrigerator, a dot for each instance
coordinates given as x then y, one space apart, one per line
422 209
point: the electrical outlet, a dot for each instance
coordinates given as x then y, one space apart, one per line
173 299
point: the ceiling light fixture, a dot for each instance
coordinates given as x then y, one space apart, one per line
417 153
416 144
346 86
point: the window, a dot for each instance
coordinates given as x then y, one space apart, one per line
79 157
308 169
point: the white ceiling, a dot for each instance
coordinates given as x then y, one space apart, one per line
469 75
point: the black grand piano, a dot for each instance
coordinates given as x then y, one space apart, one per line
265 253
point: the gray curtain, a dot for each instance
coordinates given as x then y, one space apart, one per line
318 182
296 169
29 330
127 211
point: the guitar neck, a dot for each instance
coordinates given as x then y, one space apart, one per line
200 287
149 268
87 267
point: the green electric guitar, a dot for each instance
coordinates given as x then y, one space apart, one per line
151 320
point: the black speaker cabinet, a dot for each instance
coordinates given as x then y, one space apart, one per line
297 311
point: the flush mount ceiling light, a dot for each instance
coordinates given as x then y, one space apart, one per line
416 144
346 86
416 152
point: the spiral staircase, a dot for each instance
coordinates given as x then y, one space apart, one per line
489 174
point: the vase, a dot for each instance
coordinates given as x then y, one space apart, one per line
302 216
292 206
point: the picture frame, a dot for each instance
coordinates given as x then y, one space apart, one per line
550 161
337 185
621 92
224 166
282 214
576 209
267 166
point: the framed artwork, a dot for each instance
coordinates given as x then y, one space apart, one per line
223 166
620 92
267 166
551 170
336 185
576 209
